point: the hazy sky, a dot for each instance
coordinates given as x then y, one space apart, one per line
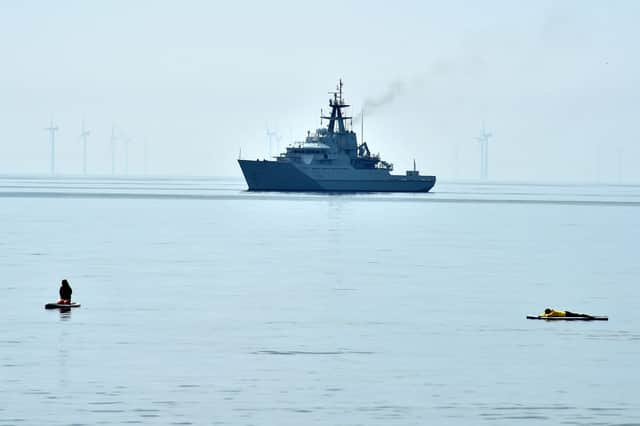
194 81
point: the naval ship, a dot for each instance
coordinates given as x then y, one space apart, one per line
330 160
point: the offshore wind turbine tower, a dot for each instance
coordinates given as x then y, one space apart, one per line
83 135
483 140
52 129
127 141
271 134
113 149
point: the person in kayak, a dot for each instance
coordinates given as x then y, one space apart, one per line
557 313
65 293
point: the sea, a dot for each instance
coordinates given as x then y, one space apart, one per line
205 304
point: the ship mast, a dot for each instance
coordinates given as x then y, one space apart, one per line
336 104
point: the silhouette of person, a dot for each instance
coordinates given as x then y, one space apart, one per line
65 293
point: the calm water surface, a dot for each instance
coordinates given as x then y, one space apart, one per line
205 304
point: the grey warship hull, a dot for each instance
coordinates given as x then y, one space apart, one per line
284 176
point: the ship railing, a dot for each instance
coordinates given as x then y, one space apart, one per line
384 165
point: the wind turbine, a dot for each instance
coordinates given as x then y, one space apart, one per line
483 139
278 140
270 135
127 140
113 149
619 152
146 157
83 135
52 129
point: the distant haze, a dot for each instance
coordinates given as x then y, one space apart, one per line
193 82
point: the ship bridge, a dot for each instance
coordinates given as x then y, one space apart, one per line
336 143
309 148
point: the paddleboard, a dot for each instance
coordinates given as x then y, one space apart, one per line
538 317
61 306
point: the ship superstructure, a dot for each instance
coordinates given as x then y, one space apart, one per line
330 160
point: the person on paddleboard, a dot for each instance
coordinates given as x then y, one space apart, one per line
65 293
557 313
